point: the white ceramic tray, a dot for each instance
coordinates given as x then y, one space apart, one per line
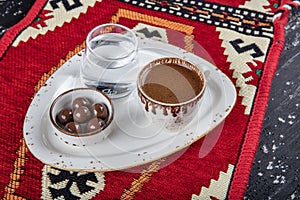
134 140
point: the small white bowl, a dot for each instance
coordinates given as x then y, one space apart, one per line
64 101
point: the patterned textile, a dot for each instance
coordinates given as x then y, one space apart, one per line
243 38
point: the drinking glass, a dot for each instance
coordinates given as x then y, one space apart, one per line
110 60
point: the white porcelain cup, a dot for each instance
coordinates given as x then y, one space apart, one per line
171 90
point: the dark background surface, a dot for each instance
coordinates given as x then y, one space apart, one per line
11 11
275 172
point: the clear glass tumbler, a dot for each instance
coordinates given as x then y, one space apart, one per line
110 59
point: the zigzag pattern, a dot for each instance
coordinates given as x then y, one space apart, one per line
240 60
217 188
239 63
57 14
253 4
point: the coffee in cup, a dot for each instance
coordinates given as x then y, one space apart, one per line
170 90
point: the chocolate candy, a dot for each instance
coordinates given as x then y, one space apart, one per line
100 110
95 124
73 127
80 101
65 116
83 117
81 114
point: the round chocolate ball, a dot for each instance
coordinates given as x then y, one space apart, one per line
73 127
64 116
100 111
81 114
95 124
80 101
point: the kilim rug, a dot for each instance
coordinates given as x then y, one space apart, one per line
244 39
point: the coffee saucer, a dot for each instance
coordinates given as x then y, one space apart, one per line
134 140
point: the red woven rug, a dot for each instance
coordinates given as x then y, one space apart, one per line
244 38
